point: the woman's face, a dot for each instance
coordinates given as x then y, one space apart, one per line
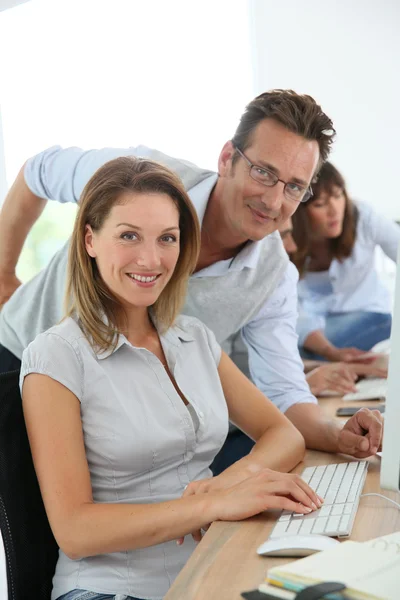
137 248
326 214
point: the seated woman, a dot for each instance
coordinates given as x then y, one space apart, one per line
344 309
126 404
339 377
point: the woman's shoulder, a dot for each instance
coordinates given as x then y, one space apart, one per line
57 354
365 213
366 219
66 334
363 209
68 330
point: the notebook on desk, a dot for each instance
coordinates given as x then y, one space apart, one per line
369 570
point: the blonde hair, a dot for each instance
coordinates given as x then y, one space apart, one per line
87 295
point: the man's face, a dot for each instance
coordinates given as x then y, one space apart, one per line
251 210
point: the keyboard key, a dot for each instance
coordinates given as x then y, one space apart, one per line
324 511
344 525
307 474
347 509
337 509
294 527
319 525
279 529
307 526
284 518
325 481
332 525
330 497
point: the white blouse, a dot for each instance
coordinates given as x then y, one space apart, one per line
142 443
352 284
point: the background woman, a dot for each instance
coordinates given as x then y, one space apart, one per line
344 308
126 406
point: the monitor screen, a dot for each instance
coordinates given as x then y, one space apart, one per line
390 468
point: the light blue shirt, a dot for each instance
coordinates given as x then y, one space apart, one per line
274 361
352 284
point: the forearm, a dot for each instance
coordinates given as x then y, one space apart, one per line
20 210
280 448
317 342
319 432
106 528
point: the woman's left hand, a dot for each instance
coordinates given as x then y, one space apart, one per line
226 479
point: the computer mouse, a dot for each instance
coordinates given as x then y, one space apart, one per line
296 545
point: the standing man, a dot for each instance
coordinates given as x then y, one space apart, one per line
243 279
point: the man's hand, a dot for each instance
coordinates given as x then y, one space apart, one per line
9 282
362 434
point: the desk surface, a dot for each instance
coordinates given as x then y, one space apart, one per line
226 563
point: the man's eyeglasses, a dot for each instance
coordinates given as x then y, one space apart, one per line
293 191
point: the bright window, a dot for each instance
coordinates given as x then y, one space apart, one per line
173 75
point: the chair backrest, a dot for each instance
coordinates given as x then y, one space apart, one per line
30 548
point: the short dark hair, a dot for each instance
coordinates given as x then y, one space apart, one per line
298 113
340 247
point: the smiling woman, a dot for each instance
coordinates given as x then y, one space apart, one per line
135 228
127 403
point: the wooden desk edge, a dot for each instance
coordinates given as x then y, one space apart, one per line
226 563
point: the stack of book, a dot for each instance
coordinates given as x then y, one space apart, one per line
367 571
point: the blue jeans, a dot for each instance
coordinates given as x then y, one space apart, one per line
359 329
86 595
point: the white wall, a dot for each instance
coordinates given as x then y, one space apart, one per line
346 54
3 178
4 4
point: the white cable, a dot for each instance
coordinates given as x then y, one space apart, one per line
381 496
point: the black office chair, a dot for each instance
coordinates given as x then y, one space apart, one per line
30 548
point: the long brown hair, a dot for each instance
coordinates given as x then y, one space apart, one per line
340 247
87 295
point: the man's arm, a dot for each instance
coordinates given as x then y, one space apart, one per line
317 342
277 370
361 436
54 174
310 329
21 209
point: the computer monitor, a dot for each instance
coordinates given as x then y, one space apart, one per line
390 467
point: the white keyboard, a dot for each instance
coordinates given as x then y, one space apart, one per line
368 389
340 485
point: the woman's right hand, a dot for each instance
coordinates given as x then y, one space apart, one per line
338 377
265 490
351 354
